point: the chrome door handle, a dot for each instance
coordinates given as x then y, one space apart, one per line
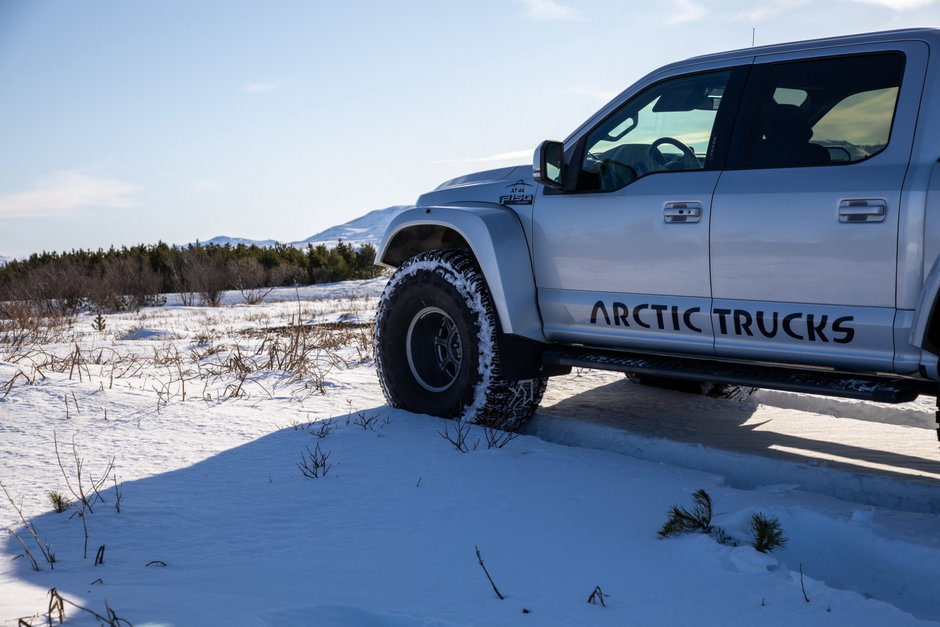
863 210
682 212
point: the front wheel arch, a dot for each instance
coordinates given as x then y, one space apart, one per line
498 242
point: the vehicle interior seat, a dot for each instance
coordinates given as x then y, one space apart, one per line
786 141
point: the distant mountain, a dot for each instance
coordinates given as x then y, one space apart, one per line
223 240
367 229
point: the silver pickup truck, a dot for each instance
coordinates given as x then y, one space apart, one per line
767 217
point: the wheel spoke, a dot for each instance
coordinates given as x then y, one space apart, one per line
434 349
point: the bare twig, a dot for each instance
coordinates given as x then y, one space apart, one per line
83 514
459 437
597 596
365 421
314 465
802 587
483 566
118 494
57 604
498 439
9 384
29 556
43 546
324 428
78 488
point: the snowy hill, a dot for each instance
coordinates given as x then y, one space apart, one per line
367 229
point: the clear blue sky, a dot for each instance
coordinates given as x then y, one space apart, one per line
131 122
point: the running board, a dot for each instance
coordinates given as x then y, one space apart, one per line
825 382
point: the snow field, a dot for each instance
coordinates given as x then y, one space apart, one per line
211 488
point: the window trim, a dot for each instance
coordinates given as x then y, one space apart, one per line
723 127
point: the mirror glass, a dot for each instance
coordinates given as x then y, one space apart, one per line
549 164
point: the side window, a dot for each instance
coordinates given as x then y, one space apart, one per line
667 127
826 111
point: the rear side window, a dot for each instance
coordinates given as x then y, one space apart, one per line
826 111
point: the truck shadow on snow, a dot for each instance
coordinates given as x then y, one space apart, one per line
738 439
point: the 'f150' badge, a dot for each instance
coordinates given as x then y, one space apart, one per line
517 194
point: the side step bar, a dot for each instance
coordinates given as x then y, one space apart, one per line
825 382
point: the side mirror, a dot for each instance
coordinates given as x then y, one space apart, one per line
548 167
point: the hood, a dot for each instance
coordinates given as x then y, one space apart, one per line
504 186
486 176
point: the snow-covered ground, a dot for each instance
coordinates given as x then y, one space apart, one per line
208 412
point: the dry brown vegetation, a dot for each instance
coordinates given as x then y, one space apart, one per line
217 355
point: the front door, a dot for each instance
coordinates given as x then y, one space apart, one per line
621 254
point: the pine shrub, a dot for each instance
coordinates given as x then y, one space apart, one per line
60 502
767 533
697 520
681 520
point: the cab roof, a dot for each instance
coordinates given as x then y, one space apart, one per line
929 35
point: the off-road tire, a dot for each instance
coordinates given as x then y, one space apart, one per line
436 345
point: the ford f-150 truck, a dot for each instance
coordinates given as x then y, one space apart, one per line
766 217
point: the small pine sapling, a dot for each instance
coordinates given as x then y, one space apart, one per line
682 520
60 502
767 534
722 537
99 323
698 520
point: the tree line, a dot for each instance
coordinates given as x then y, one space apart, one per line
121 279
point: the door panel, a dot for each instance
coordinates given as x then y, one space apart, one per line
823 335
798 231
621 257
777 235
640 321
621 242
619 248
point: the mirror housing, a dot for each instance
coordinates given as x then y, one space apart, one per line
548 164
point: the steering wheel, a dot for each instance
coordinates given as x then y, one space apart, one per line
615 174
688 161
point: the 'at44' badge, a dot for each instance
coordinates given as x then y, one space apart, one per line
518 193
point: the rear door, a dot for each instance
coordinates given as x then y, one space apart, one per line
804 233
